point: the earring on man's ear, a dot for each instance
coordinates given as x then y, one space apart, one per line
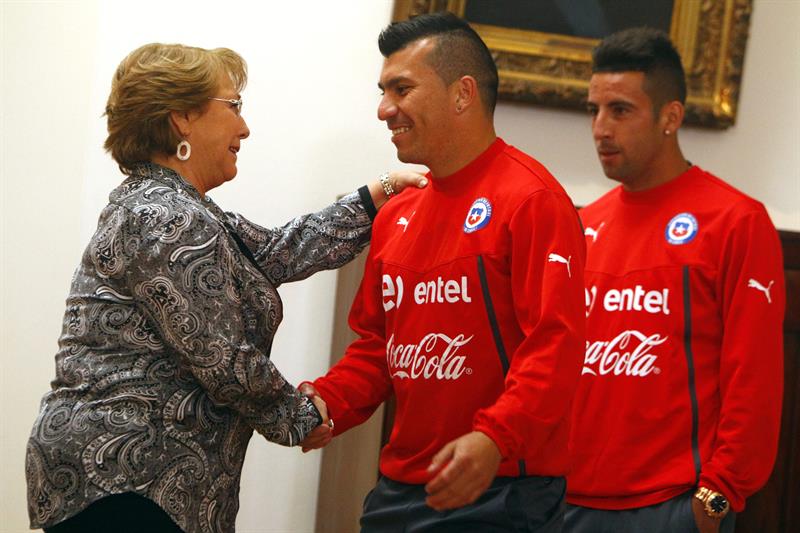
187 150
666 132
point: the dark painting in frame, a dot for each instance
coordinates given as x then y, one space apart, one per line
553 69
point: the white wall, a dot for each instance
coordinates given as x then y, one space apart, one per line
311 107
45 117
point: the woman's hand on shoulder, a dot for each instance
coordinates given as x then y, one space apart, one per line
393 183
401 179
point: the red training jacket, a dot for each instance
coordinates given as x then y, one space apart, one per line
682 379
499 243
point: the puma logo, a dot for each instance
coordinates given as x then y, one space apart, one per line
759 287
591 232
555 258
403 221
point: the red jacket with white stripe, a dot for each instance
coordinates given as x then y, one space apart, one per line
682 380
423 317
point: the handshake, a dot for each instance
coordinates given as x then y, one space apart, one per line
459 473
321 435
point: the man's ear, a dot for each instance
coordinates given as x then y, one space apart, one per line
466 93
671 116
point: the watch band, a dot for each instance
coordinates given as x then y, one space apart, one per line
386 184
715 504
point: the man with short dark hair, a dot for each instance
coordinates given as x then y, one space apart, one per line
471 307
677 413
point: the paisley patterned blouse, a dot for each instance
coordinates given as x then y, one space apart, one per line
163 368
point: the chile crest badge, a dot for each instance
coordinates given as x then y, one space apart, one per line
681 229
478 215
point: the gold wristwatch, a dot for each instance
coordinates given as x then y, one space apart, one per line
715 504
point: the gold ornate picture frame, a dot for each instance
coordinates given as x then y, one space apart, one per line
553 69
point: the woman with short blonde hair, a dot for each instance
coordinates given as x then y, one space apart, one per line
163 369
148 86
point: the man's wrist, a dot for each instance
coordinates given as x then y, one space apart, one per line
715 504
303 388
494 439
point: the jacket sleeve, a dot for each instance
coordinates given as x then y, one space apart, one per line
548 253
183 278
751 363
357 385
307 244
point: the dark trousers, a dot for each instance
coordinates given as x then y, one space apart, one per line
672 516
510 504
119 513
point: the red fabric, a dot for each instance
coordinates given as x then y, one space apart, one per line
440 323
632 419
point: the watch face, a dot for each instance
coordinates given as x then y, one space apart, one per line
718 504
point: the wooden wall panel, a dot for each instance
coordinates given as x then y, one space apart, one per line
774 509
350 463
